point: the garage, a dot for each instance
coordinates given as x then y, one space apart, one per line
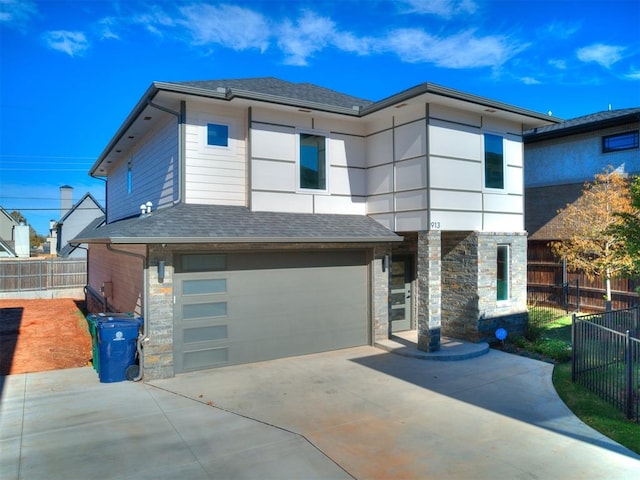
235 308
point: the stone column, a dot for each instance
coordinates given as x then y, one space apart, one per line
158 351
429 290
381 306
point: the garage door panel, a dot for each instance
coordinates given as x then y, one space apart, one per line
275 305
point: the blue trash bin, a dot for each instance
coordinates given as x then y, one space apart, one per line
117 337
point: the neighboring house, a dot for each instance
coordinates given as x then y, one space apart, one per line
74 218
257 218
559 160
14 237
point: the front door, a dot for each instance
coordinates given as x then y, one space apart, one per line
401 268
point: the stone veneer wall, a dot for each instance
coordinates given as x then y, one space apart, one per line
380 307
470 310
429 291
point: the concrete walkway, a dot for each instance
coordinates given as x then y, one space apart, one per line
357 413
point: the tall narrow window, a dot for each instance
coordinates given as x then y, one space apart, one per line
502 273
129 178
313 162
493 161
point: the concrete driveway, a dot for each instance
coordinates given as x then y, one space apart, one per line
381 416
359 413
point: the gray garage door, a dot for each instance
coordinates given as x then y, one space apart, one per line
242 308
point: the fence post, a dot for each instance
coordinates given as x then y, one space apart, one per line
574 350
577 295
629 370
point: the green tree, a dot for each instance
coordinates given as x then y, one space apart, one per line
629 228
590 242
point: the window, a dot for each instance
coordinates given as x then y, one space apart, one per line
201 262
129 178
502 273
621 141
493 161
313 162
217 135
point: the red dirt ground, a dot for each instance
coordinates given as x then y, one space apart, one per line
41 335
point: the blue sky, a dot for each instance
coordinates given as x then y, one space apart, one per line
71 71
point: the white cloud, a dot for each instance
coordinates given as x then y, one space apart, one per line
155 20
226 25
441 8
562 30
71 43
106 27
462 50
530 81
16 13
633 75
604 55
558 63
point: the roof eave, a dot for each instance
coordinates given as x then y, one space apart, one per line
183 240
582 128
426 88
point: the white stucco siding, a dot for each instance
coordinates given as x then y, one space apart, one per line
346 205
411 221
411 201
503 223
454 141
379 148
274 170
456 200
281 202
411 174
215 175
454 174
379 203
153 162
380 179
274 176
410 140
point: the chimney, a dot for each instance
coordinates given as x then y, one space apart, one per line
66 199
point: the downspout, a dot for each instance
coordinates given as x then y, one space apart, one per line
142 338
181 116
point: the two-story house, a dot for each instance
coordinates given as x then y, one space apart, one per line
257 218
559 160
74 219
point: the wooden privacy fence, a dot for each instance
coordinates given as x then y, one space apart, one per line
42 274
606 357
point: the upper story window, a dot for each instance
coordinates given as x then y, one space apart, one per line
494 168
129 178
312 162
620 141
217 135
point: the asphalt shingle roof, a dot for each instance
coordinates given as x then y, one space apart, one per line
185 223
281 88
586 123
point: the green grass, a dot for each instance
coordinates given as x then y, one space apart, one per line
594 411
549 337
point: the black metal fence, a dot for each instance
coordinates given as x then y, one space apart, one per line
606 357
547 303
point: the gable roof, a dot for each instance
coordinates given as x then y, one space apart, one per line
185 223
71 246
584 124
87 196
